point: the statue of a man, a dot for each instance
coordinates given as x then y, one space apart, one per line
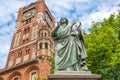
70 52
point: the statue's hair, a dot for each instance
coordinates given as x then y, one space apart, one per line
77 21
65 20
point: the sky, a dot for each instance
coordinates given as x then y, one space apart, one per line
84 10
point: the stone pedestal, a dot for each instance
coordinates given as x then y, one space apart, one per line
82 75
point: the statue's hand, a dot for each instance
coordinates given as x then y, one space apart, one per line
54 32
58 24
74 33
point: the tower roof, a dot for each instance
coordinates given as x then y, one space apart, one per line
41 0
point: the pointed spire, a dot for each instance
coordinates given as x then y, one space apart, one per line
41 0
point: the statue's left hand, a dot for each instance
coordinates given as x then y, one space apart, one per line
74 33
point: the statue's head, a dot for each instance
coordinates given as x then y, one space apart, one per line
64 21
76 23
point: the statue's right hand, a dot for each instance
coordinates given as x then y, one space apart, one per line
58 23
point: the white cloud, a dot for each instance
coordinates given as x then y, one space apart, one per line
84 10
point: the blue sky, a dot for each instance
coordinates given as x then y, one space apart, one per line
84 10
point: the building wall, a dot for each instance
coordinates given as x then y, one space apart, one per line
31 44
24 72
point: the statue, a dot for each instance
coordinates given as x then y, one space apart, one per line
70 51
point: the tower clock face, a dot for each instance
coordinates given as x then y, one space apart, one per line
28 14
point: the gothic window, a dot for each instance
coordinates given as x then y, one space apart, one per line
18 60
17 39
46 45
27 51
33 75
27 30
34 32
26 56
26 35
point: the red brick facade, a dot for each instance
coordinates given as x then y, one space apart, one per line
31 44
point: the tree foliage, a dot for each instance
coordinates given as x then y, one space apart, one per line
52 63
37 78
103 47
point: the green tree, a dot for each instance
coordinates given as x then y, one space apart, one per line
103 47
52 63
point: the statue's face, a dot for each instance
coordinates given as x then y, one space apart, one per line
64 21
76 23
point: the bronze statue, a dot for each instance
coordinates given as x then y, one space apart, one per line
70 51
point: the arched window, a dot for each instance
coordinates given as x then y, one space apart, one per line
16 78
33 75
41 34
27 51
40 45
46 45
45 34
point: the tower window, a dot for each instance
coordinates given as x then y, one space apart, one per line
26 35
19 54
41 34
17 39
28 21
27 39
23 41
45 34
40 45
26 30
46 45
34 32
27 51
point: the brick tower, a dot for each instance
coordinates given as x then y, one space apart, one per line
31 44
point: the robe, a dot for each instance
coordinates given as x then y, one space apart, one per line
69 49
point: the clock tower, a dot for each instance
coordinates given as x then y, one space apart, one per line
31 44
